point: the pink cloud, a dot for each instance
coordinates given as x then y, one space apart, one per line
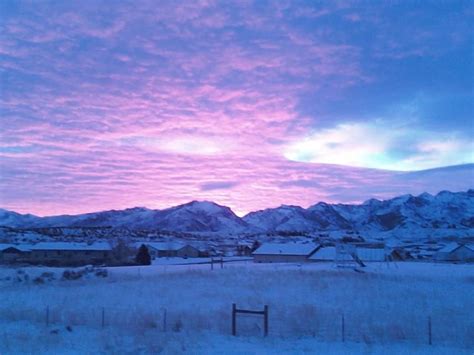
146 104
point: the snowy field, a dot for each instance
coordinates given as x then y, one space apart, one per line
313 308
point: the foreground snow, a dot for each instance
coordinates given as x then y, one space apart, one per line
23 337
186 309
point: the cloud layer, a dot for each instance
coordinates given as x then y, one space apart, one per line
249 104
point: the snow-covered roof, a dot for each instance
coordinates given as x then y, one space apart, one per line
101 246
162 245
449 248
326 253
16 246
453 246
286 249
371 254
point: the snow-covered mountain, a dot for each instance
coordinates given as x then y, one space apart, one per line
403 215
13 219
198 216
444 210
194 216
283 218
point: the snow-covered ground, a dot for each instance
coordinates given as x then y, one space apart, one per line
27 338
186 309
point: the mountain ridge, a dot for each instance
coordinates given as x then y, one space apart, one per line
448 210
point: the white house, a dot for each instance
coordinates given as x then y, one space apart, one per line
456 252
284 252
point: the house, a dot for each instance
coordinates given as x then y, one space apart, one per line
64 253
456 252
12 253
344 255
160 249
187 251
243 249
284 252
170 249
324 254
337 254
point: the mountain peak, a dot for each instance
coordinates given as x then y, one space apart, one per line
426 196
371 201
205 206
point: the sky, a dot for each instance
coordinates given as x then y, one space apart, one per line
251 104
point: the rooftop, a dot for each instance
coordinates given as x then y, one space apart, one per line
286 249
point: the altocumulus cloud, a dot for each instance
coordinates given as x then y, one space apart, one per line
218 185
249 104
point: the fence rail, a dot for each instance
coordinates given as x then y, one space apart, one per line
326 325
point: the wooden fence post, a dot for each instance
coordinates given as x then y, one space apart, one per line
222 263
164 320
430 342
343 328
212 263
234 325
47 316
263 313
265 320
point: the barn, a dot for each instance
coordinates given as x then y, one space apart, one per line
284 252
456 252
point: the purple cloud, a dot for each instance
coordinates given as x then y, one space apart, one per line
123 104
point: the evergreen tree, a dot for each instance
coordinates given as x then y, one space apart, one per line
143 256
256 244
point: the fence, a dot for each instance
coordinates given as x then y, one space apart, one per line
332 326
236 311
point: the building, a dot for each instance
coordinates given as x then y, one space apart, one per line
324 254
12 253
243 249
338 254
456 252
64 253
159 249
343 255
187 251
371 254
284 252
170 250
399 254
